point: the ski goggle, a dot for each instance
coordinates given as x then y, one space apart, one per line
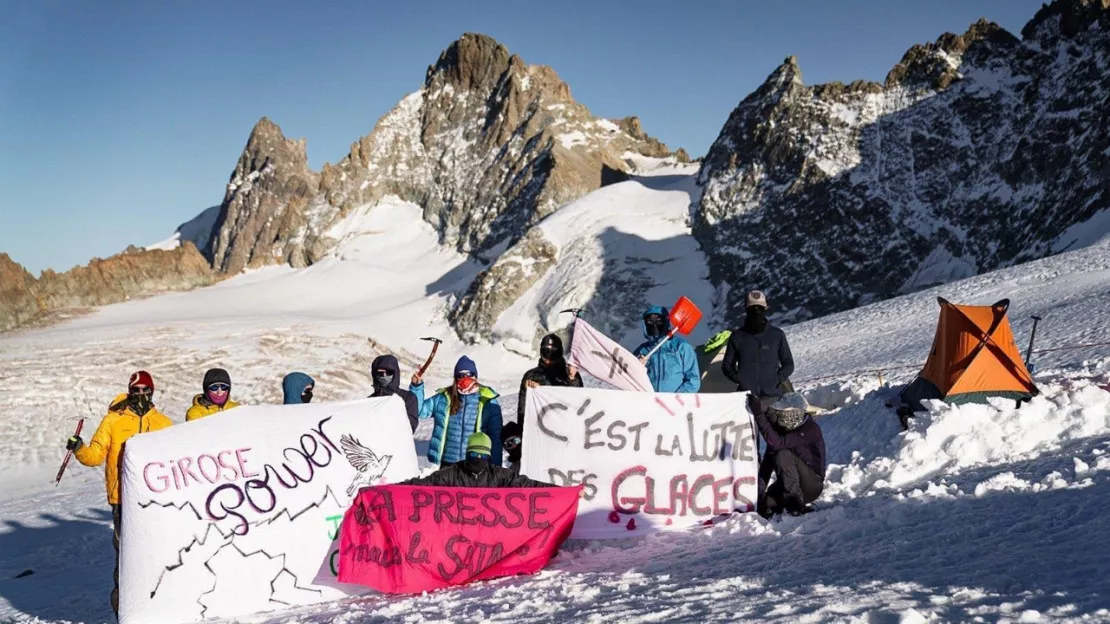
383 373
219 387
511 443
465 373
550 350
141 390
476 455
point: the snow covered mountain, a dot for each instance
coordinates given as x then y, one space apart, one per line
488 146
979 151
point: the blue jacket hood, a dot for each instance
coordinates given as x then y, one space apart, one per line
293 385
655 310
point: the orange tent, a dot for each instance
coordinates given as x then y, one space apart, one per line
974 357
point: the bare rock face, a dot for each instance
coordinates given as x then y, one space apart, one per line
263 216
978 151
25 299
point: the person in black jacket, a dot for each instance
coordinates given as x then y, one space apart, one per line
795 455
758 357
553 370
386 375
476 470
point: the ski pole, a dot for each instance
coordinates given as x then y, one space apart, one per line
65 462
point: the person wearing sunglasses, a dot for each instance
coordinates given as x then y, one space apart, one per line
128 415
385 373
461 409
551 370
476 470
674 366
296 388
215 395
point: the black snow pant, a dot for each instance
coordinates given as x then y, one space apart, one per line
117 521
795 485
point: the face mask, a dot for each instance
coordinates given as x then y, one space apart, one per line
466 385
140 402
383 380
756 319
656 325
306 396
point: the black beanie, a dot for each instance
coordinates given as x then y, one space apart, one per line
215 375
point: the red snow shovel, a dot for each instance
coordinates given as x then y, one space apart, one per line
684 317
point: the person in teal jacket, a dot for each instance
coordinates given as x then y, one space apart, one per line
461 409
674 367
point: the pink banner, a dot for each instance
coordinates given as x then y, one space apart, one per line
401 539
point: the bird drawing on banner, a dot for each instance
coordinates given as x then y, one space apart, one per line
370 467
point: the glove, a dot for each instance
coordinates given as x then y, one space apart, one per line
74 443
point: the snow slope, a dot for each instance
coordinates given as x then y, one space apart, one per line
981 513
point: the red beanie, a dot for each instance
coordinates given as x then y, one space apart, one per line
140 378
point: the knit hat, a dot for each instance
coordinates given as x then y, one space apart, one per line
479 443
215 375
466 364
140 378
756 298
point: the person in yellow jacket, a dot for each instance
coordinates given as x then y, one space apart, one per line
129 414
215 395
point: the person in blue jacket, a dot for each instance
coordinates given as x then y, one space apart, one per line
297 388
461 409
674 367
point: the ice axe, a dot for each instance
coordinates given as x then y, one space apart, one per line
65 462
684 316
1032 337
428 362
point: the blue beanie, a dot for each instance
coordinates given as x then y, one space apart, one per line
466 364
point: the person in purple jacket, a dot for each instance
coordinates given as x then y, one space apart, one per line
795 456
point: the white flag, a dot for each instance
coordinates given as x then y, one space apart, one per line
600 356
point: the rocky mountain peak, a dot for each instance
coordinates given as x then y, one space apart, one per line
979 151
474 61
1067 17
937 65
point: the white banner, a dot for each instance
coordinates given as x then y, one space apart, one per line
239 512
648 461
601 357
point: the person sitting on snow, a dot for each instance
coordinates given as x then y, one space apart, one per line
297 388
757 356
794 455
461 409
215 395
674 366
128 415
386 374
476 470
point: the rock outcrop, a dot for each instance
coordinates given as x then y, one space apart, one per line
25 299
978 151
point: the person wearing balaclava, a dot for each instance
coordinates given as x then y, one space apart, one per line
215 395
296 388
460 410
128 415
552 370
758 356
385 373
674 366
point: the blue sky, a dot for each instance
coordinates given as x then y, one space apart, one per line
121 120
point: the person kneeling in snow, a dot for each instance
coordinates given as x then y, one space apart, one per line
476 470
215 395
795 455
297 388
128 415
459 410
674 366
